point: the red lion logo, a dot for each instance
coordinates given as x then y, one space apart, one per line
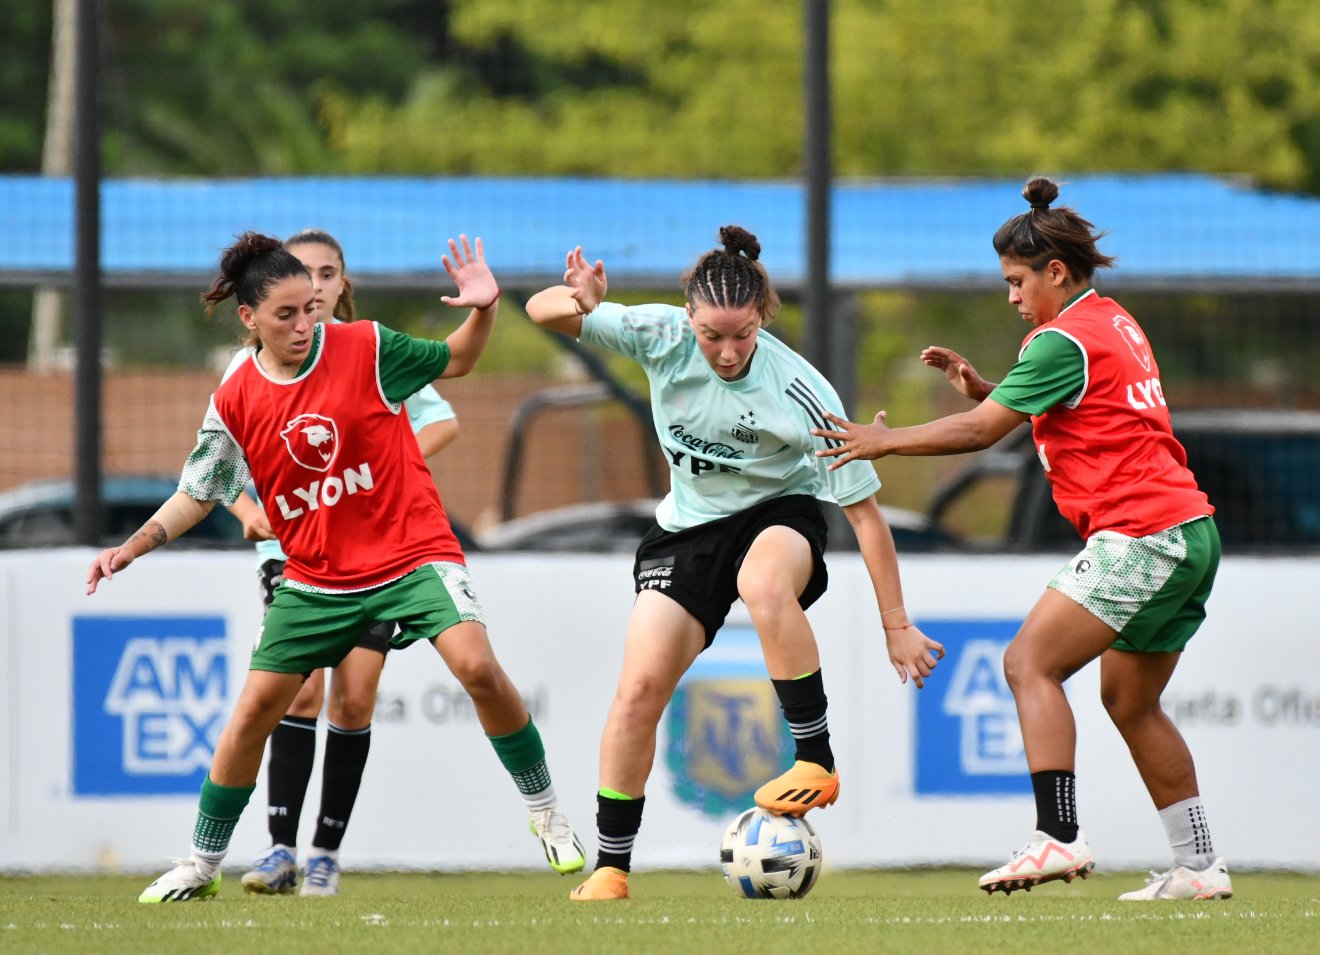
312 440
1135 340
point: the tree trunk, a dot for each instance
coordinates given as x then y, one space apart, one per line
56 160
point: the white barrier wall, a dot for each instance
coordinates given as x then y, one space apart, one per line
112 703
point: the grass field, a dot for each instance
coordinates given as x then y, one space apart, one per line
925 911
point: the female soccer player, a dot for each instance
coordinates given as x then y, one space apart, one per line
734 409
1087 380
315 417
353 686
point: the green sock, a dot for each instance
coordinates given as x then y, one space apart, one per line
217 815
523 755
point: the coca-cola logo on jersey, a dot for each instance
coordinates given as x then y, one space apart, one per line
312 440
1135 340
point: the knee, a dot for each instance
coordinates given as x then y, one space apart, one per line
481 675
640 699
766 593
353 710
1126 710
1015 666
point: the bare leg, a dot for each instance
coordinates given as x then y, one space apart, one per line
774 574
467 652
1130 688
353 688
663 639
261 704
307 704
1057 639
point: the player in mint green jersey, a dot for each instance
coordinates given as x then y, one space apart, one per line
733 409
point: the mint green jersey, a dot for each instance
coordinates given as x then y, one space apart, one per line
729 444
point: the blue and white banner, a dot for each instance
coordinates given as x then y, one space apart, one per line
967 740
150 696
111 706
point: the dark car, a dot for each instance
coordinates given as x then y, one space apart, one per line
1260 469
618 526
41 514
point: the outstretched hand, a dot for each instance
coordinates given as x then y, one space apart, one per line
856 441
106 563
477 287
586 280
958 370
913 654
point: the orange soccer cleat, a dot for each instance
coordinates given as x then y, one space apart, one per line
805 786
604 885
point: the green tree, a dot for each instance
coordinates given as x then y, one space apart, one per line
690 89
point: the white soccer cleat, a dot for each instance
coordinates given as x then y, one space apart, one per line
275 873
1043 859
1180 882
563 849
321 876
180 884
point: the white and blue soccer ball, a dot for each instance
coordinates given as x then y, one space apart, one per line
768 856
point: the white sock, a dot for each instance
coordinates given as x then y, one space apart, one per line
1189 834
318 851
208 863
545 799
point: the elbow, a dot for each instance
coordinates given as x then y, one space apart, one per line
537 308
459 365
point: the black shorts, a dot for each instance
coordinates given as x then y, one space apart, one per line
271 572
698 567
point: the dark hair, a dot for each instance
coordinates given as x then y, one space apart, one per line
732 277
248 269
1043 233
343 307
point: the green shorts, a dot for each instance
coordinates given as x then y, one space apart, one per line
306 629
1151 589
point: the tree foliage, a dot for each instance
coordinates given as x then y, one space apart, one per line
688 89
692 89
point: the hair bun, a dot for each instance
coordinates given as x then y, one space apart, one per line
1040 192
737 239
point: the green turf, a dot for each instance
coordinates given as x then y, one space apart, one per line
926 911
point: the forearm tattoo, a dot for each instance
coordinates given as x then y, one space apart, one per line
152 535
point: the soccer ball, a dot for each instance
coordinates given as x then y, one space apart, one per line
768 856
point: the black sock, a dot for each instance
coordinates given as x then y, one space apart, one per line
341 776
292 751
1056 803
617 824
804 706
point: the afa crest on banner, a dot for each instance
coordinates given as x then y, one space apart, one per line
726 732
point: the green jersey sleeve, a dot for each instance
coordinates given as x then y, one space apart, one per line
408 364
1051 370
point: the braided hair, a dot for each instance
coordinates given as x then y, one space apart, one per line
732 277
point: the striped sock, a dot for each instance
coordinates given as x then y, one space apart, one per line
804 703
618 820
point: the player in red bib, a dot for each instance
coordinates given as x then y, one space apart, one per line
1087 380
316 419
